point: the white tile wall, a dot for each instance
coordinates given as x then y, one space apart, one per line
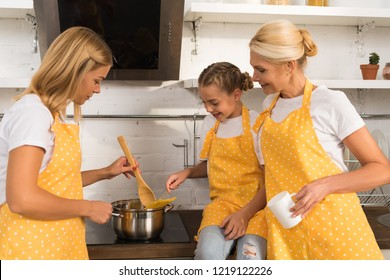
151 140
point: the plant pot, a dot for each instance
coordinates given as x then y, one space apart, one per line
369 71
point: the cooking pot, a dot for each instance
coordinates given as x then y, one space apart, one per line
131 221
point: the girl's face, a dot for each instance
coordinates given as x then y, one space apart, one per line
90 84
221 104
273 78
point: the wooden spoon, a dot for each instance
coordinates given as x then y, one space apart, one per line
145 193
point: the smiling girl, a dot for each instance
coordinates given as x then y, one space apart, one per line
42 209
229 160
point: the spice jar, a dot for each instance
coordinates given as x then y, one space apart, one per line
323 3
386 71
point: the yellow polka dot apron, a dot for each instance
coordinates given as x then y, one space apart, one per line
25 238
234 176
336 228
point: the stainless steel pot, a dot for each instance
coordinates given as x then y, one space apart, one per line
131 221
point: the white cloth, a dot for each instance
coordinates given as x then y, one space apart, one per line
333 115
27 122
230 128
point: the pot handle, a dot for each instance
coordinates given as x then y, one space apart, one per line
117 215
169 207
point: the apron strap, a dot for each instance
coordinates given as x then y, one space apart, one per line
307 94
263 115
56 123
213 131
204 153
267 112
246 120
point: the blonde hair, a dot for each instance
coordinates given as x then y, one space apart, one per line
73 53
280 41
226 76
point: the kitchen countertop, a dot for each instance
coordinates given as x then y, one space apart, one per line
185 250
153 250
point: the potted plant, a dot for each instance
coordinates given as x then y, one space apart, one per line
369 71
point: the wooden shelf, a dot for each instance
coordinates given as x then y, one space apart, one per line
330 16
249 13
354 84
335 84
15 9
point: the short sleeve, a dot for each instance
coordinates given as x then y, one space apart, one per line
30 125
338 116
349 118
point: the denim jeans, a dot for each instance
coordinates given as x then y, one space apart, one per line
213 246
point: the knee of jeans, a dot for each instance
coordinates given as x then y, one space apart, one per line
249 250
212 246
252 247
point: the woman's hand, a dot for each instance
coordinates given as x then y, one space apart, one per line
121 165
99 212
235 225
309 196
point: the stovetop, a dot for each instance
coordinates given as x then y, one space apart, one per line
173 232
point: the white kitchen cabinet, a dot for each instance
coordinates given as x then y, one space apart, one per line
249 13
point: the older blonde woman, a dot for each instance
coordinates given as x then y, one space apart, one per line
41 198
304 130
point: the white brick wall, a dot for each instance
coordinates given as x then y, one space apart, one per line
16 56
151 140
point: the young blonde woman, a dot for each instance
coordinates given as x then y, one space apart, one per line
229 160
42 208
304 130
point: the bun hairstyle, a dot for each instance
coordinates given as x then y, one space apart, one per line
280 41
226 76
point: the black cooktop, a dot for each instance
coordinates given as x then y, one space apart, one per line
173 232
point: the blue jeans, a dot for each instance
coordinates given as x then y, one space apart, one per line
213 246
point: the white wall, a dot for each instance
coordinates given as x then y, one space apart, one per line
151 140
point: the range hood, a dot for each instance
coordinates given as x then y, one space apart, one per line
144 35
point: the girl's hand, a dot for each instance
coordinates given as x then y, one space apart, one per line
235 225
176 179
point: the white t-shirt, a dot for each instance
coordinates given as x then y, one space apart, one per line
333 115
230 128
27 122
